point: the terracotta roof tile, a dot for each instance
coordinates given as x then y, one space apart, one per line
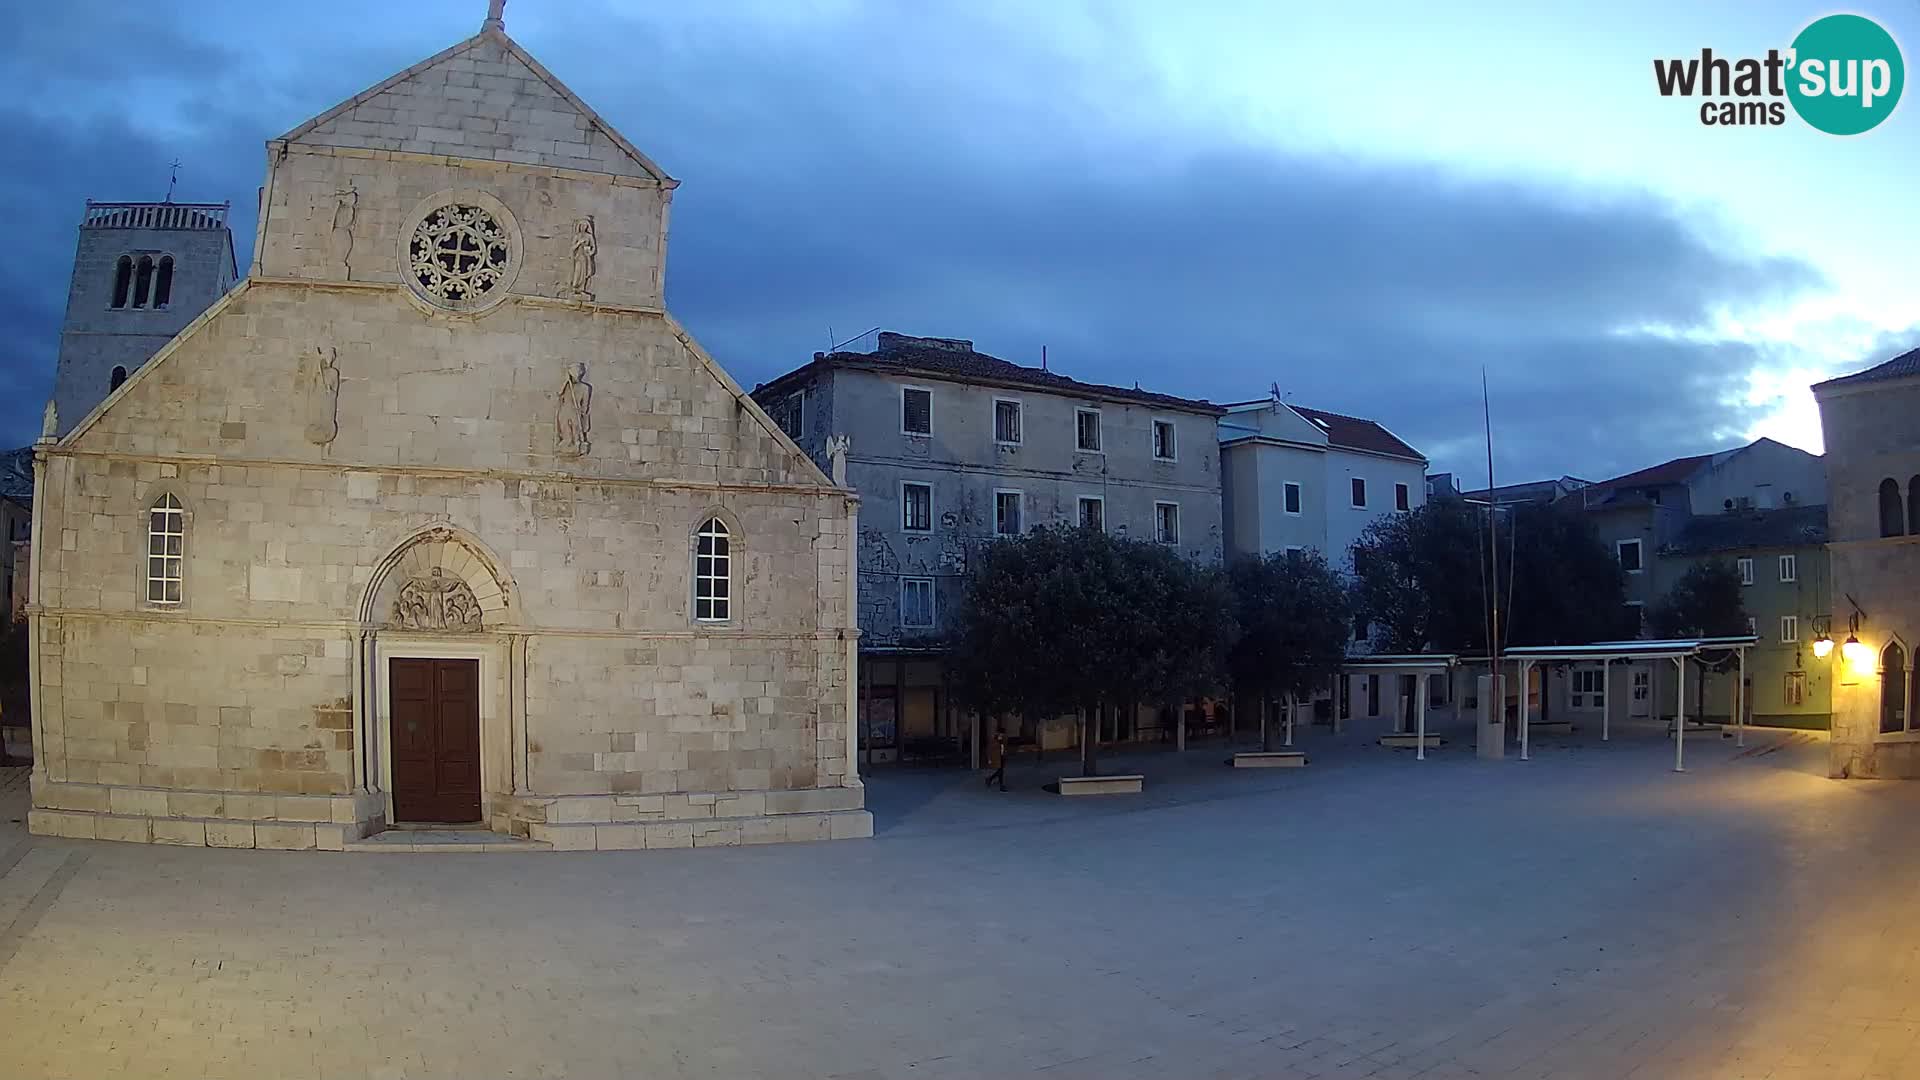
1907 363
1355 433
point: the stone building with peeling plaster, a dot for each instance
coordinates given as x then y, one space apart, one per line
439 516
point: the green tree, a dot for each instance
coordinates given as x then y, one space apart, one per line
1566 587
1068 620
1420 578
1707 601
1292 617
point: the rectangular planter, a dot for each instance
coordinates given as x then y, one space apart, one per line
1270 759
1102 785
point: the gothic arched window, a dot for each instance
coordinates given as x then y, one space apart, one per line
712 572
1913 506
113 381
166 540
1893 688
163 284
122 280
1892 518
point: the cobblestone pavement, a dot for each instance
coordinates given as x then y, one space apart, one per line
1585 914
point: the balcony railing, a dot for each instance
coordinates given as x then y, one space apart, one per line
152 215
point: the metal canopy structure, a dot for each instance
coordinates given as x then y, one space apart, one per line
1606 652
1408 664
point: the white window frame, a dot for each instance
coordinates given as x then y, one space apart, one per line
1099 431
1361 503
1592 697
904 485
1639 555
1173 439
1079 510
1745 566
1020 498
1753 626
1299 497
1789 568
1397 500
723 562
1294 549
927 390
1020 421
933 612
1793 688
1789 628
168 565
1158 538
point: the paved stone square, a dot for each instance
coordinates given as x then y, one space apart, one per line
1586 914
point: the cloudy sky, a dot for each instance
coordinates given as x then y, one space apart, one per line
1363 202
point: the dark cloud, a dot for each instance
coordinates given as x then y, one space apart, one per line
931 177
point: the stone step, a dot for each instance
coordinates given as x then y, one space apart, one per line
444 840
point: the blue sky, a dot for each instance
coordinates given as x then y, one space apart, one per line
1363 202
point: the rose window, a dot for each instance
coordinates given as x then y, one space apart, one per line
458 254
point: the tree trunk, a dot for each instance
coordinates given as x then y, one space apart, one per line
1089 741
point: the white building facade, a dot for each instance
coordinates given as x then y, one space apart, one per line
1298 478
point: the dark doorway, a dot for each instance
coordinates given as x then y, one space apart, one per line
436 739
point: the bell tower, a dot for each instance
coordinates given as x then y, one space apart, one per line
141 272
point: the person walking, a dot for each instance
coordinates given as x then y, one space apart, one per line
997 757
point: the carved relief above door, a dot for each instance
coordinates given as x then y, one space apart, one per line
436 602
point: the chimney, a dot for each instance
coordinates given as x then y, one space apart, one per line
892 342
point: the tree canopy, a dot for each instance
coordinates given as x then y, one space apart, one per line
1291 611
1063 619
1707 601
1421 579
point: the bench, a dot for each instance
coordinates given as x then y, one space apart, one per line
1118 784
1411 741
1269 759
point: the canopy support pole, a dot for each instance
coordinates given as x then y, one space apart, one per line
1526 713
1740 704
1420 696
1606 697
1680 718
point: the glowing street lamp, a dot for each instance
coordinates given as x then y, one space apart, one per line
1856 653
1822 646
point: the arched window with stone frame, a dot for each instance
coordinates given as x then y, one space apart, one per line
143 281
1913 506
118 376
163 283
1892 515
713 556
1893 689
122 280
166 551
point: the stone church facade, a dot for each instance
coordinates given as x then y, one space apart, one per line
439 516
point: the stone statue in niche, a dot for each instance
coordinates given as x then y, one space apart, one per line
838 446
320 386
585 246
436 602
572 424
50 422
345 204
